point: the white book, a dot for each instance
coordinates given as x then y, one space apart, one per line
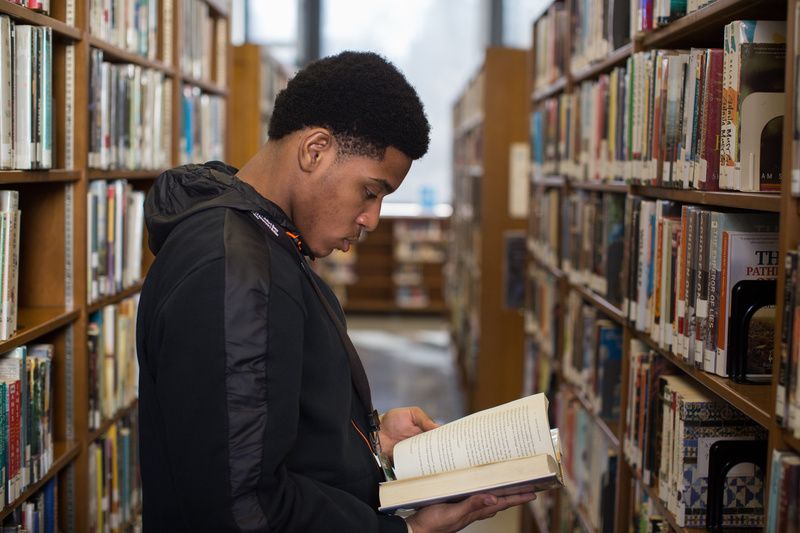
23 97
105 113
91 242
46 95
744 255
6 93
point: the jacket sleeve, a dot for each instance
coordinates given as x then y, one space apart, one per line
229 397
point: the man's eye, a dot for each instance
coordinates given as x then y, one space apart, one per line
369 194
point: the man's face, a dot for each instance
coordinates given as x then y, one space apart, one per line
344 199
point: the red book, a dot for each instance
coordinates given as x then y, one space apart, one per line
712 88
14 420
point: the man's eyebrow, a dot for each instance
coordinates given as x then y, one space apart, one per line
388 189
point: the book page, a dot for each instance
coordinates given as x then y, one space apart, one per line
509 431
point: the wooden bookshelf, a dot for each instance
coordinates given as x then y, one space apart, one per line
375 262
118 55
12 177
735 200
256 80
703 28
612 60
489 335
551 90
64 453
27 16
124 174
53 293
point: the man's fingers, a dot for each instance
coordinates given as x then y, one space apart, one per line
422 420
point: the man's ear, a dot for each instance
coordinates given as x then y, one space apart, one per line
315 146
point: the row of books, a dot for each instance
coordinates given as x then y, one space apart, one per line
203 130
702 118
130 25
419 252
787 401
10 230
115 225
26 96
418 230
113 367
599 27
550 48
647 15
114 484
592 231
589 463
543 306
543 224
784 492
592 357
685 276
41 6
672 426
130 116
26 418
203 51
647 516
39 514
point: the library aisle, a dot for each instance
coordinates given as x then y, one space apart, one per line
408 362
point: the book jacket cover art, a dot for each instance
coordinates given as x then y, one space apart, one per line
762 106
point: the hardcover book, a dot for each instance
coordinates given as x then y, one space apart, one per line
507 449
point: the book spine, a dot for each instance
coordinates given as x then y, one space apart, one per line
789 295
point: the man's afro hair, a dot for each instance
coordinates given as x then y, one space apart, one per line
362 98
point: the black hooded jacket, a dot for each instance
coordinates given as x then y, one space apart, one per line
246 402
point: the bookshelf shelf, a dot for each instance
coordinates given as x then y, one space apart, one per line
35 322
553 270
382 306
663 511
755 401
709 21
38 176
207 86
63 454
791 440
551 90
23 14
612 311
615 58
738 200
550 181
124 174
610 434
107 423
115 53
114 298
598 186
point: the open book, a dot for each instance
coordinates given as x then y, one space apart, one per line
507 449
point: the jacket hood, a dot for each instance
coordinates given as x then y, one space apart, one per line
183 191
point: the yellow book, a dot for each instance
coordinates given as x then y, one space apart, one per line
101 499
508 449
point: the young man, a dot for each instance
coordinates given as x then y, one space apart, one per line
254 410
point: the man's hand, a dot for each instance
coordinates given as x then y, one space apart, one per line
450 517
401 423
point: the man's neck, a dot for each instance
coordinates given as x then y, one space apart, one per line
265 174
